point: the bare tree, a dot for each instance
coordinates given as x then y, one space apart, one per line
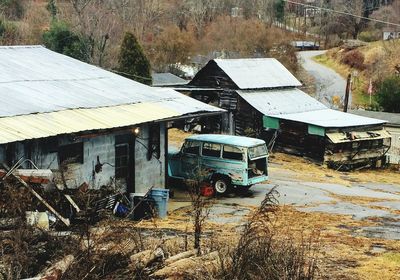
353 24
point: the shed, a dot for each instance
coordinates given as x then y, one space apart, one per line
392 125
89 124
167 80
263 100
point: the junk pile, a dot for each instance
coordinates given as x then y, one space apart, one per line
46 228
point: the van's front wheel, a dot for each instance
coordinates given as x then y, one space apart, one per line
221 184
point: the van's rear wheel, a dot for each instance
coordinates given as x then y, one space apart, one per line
221 184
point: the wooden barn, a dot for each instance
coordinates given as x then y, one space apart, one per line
264 100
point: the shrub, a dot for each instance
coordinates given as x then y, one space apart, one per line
388 94
63 40
8 33
354 59
369 36
12 9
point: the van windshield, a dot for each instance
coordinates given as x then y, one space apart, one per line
258 151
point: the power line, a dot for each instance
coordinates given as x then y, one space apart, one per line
342 13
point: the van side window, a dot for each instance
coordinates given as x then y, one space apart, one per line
231 152
211 150
192 148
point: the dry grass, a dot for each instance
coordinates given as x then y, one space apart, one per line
308 171
176 137
385 266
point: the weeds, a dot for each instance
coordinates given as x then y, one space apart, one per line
265 251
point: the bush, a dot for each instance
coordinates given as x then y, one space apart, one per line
369 36
388 94
12 9
62 40
8 33
354 59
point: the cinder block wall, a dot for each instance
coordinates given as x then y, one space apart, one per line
149 173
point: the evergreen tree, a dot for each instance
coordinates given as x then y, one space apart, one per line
279 7
388 94
133 63
52 8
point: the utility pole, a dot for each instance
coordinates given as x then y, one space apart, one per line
347 95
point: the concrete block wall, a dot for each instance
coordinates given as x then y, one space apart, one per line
149 173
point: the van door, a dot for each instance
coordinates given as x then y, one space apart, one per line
190 159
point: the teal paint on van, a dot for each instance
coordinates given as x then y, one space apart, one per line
244 160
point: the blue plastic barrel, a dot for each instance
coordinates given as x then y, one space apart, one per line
160 196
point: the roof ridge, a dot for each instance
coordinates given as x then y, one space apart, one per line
22 47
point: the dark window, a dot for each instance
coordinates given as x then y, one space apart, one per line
72 153
154 142
231 152
121 161
211 150
50 145
192 148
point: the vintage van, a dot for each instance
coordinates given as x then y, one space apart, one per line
227 161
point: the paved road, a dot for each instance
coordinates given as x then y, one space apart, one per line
328 82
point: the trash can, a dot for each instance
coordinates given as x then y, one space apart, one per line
144 207
160 197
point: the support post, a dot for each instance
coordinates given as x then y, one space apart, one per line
347 94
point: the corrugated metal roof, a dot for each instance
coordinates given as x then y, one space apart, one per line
391 118
253 73
32 126
45 94
296 105
167 79
329 118
34 79
240 141
284 101
340 137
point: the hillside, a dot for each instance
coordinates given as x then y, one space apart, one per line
170 32
366 62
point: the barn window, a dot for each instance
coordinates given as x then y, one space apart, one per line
121 161
72 153
154 142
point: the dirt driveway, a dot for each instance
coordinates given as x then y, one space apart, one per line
358 214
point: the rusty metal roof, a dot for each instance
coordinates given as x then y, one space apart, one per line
44 94
255 73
